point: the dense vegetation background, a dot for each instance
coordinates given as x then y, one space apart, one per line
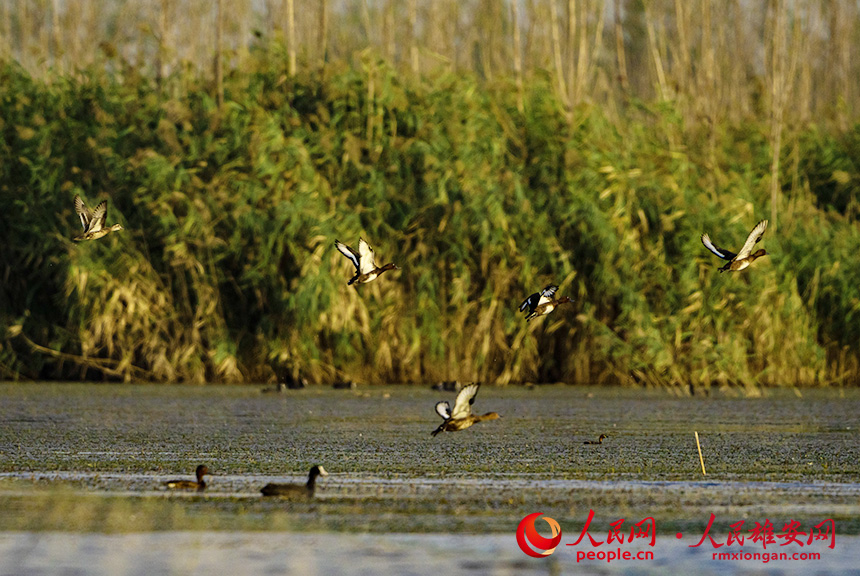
594 157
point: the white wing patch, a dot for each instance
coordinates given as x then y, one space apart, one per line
348 252
463 404
547 294
82 211
97 217
706 240
752 239
725 255
443 409
365 255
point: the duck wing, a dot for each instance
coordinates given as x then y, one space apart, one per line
83 213
443 409
465 399
724 254
547 294
752 239
365 257
349 253
530 302
97 217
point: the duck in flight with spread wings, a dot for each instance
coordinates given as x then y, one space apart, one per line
93 221
366 269
542 303
745 256
461 417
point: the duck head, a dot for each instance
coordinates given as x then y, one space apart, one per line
201 472
318 471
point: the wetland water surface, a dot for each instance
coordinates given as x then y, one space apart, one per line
81 468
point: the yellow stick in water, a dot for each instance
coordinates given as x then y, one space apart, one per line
702 460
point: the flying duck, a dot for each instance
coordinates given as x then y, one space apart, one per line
295 491
541 303
93 221
366 269
461 417
743 258
200 485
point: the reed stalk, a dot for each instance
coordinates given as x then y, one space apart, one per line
219 53
556 53
290 31
777 100
517 53
620 53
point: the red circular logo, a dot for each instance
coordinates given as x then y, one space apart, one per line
529 539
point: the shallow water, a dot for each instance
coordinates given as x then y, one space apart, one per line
323 554
81 464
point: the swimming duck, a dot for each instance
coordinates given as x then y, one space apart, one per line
288 382
598 441
461 417
743 258
347 385
200 485
93 221
366 269
295 491
541 303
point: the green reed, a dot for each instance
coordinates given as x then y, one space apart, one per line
226 270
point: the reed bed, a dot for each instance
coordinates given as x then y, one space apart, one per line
483 188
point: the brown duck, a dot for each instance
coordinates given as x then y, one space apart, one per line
461 417
295 491
93 221
743 258
598 441
200 485
366 269
542 303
